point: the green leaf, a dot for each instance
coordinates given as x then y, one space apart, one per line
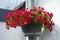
48 17
9 21
42 15
36 12
40 23
45 27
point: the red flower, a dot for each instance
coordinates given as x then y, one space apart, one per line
50 28
51 15
45 14
17 18
8 15
21 22
38 18
42 8
45 23
40 11
30 13
44 19
34 9
39 7
14 24
16 13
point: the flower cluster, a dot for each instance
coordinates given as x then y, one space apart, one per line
35 15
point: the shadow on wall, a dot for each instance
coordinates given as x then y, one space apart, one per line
3 12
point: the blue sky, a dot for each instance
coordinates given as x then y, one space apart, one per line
10 4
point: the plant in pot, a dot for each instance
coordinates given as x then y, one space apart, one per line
31 21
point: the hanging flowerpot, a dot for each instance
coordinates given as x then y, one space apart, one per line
31 21
31 28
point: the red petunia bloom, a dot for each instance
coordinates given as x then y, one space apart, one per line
40 11
21 22
14 24
35 15
8 15
38 18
